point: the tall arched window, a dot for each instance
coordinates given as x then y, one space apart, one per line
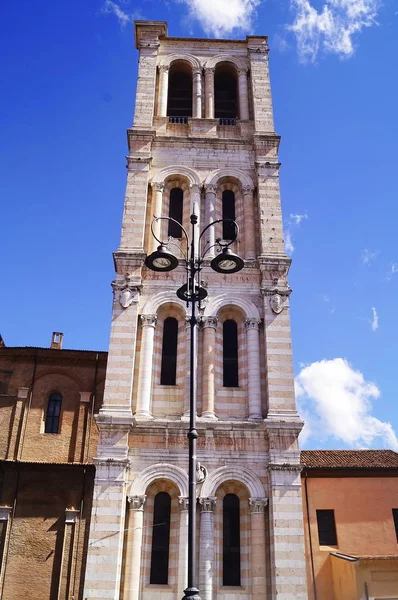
175 212
53 414
231 540
169 352
226 92
160 539
230 354
228 212
179 103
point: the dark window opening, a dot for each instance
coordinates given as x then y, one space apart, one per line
326 528
231 540
160 539
230 354
53 413
228 212
226 93
179 103
395 517
169 352
175 212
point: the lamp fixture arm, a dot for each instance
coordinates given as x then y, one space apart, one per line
156 219
218 242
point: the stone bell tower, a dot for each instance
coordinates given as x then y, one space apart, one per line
203 137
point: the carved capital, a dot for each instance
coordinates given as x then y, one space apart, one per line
209 322
183 503
164 68
197 71
210 71
247 190
148 320
157 186
207 504
210 188
136 502
195 188
252 324
257 505
242 72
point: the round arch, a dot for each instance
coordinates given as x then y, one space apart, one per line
232 472
152 305
222 300
76 380
237 61
171 58
177 171
214 177
160 471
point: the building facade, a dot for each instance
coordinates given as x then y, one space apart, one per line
203 139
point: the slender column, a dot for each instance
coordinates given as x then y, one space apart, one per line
146 363
131 589
243 95
258 564
253 365
157 201
163 90
206 550
210 210
195 208
209 359
197 94
249 232
187 381
209 88
183 544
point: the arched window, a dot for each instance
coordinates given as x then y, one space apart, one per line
226 92
53 413
160 539
175 212
228 212
230 354
169 352
231 540
179 103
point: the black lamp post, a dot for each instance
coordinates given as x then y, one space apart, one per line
192 292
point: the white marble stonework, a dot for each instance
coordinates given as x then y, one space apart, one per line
247 443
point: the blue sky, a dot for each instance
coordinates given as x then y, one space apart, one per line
68 82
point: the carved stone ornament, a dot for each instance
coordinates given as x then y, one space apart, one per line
128 296
252 324
148 320
164 68
209 322
157 186
201 473
210 188
136 502
247 189
207 504
257 505
183 503
276 303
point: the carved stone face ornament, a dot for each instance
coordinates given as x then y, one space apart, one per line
276 303
126 298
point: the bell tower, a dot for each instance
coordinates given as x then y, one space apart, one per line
202 142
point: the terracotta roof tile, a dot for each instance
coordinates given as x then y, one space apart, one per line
342 459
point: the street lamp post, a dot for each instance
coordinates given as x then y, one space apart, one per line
226 261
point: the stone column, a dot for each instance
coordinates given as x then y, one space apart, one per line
243 95
183 545
131 589
143 409
249 230
209 364
197 94
253 368
163 90
195 205
206 549
209 91
258 574
157 201
210 211
187 379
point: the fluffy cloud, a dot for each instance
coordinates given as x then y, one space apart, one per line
221 17
336 402
293 222
375 319
114 9
331 29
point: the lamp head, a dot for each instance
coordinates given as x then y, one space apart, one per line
161 260
227 262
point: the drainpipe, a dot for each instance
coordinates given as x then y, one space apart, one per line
309 535
20 450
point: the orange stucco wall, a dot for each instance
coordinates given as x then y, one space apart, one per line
364 523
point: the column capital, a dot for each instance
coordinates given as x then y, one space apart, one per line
136 502
183 503
210 188
194 187
209 322
252 324
148 320
158 186
247 189
210 70
197 71
242 71
207 504
164 68
257 505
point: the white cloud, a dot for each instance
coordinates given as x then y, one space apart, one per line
288 242
293 222
393 270
375 319
336 401
114 9
296 219
221 17
368 256
332 28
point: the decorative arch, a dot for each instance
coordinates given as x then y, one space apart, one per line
176 171
152 305
57 374
160 471
218 302
214 177
237 61
192 60
241 474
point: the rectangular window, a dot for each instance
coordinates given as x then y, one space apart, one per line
326 528
395 517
